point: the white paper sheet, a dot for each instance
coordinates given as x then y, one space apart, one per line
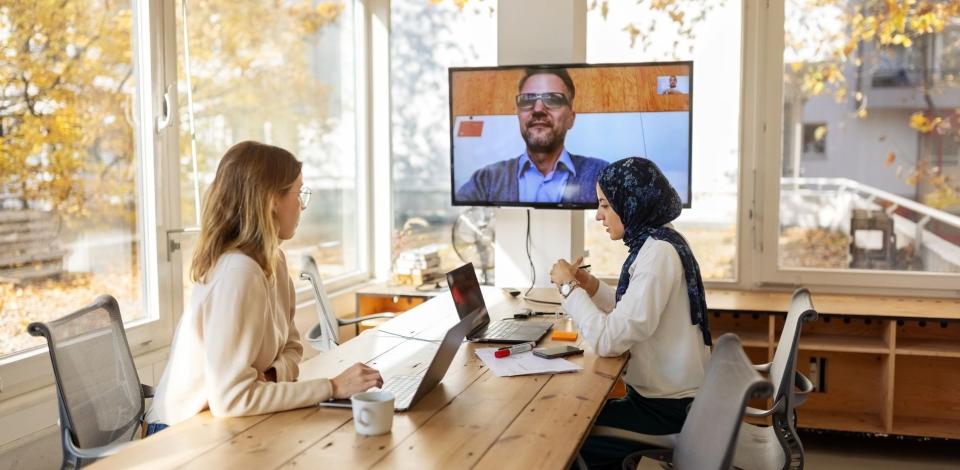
524 364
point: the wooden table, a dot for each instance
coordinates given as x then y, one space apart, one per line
472 419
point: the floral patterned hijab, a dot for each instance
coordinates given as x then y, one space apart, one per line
645 201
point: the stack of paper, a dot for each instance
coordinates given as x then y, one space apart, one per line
523 364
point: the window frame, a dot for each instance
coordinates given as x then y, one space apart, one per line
762 132
30 369
154 44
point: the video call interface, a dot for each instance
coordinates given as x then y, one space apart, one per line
542 144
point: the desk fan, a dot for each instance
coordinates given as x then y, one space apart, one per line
473 236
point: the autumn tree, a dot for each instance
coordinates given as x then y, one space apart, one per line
874 32
68 82
67 79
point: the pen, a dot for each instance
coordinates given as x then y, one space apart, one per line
515 349
584 267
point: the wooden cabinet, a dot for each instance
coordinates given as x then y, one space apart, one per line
883 365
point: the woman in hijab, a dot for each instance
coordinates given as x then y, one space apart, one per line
657 311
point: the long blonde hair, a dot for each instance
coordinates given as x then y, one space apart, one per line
237 210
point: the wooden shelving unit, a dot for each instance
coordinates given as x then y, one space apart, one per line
889 362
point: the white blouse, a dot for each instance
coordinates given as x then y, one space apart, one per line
238 324
668 357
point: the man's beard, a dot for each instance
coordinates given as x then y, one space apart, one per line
542 142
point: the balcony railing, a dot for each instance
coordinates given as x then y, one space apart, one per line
859 195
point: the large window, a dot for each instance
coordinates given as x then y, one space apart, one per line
282 73
883 193
426 39
706 32
70 218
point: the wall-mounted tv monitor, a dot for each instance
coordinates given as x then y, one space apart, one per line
538 135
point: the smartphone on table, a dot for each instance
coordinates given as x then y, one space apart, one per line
557 351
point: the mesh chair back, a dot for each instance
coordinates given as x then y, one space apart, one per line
101 401
709 433
327 317
785 359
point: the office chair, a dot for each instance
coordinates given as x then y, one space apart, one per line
100 396
325 335
708 436
778 446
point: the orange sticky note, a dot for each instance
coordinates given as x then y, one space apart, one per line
564 335
470 129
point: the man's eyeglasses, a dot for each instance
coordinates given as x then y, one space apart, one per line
551 99
304 197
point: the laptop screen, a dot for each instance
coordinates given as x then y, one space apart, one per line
465 290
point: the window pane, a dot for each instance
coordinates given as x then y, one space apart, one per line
426 39
707 32
288 82
870 172
68 194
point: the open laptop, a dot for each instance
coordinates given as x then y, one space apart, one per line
409 389
465 290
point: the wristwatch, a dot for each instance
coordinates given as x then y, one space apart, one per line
567 287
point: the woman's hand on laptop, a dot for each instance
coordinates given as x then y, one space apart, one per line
357 378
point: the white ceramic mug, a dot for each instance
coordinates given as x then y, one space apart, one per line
372 412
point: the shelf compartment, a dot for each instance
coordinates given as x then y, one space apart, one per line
842 334
838 343
748 338
843 421
925 390
752 328
928 347
936 338
852 399
927 427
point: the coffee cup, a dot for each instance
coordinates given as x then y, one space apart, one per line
372 412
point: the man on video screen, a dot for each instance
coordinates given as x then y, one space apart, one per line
546 172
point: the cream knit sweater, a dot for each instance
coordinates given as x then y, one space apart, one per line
238 324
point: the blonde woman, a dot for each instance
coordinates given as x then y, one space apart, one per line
236 350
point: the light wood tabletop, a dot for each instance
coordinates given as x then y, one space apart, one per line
472 419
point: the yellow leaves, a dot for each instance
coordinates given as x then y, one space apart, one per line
676 16
459 3
604 9
816 79
661 4
796 66
314 18
922 123
942 197
849 48
902 40
927 23
891 158
820 132
633 31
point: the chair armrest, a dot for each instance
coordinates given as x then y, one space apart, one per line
147 390
92 452
666 441
758 413
765 368
351 321
805 387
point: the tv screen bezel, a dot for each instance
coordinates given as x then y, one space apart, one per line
560 205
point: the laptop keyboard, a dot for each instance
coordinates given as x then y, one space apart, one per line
502 329
402 387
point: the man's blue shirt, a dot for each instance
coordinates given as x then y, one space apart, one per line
536 187
499 183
